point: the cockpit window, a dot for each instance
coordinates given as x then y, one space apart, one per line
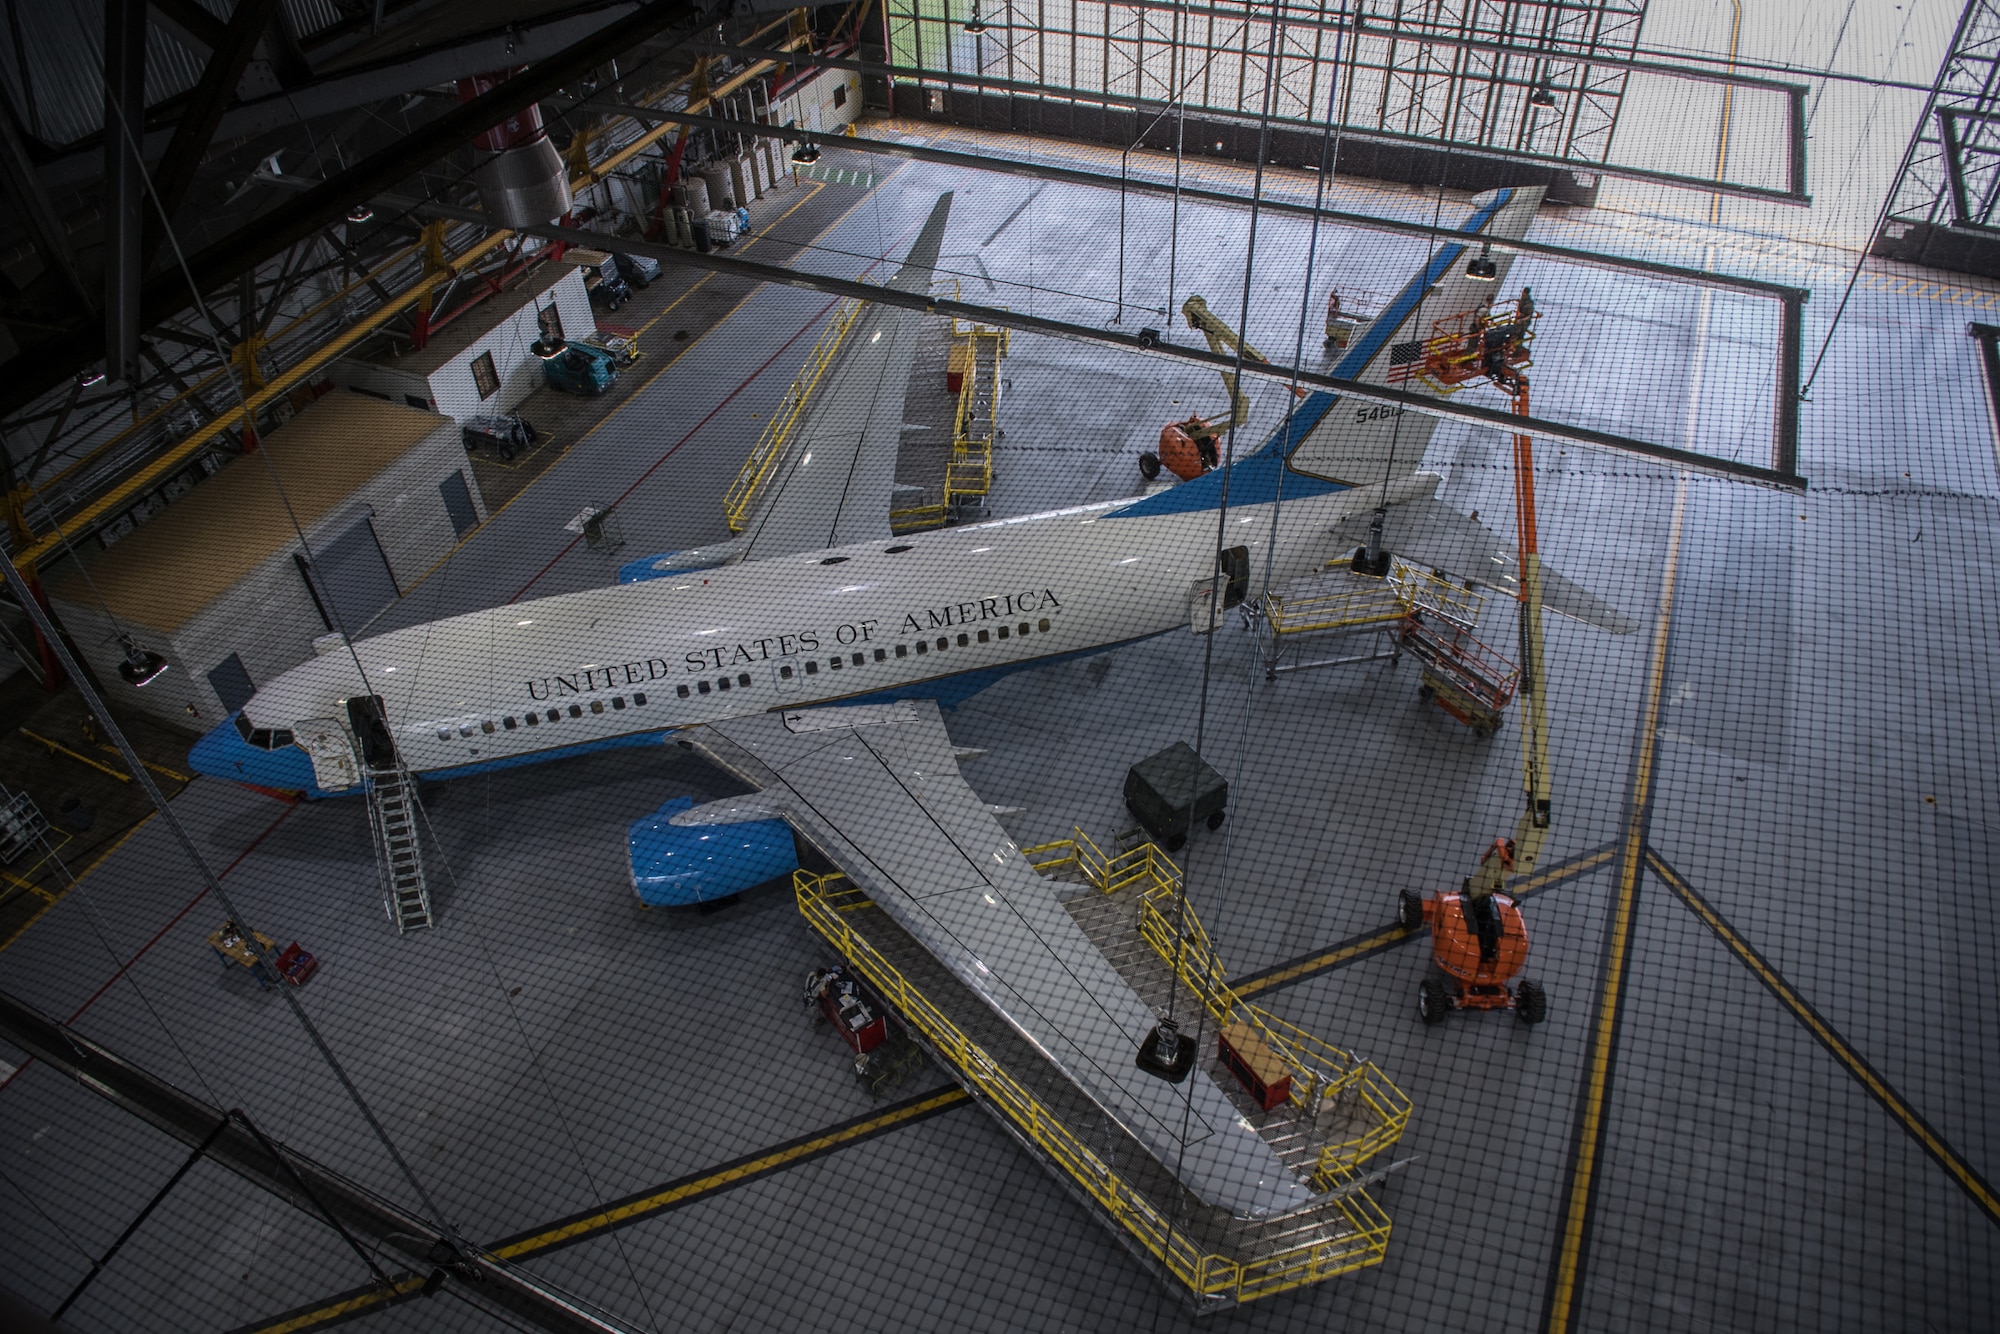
243 725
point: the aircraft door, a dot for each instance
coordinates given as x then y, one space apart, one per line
1234 565
325 740
1203 614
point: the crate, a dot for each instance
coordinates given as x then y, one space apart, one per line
1171 791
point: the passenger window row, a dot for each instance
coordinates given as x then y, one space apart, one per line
923 646
740 681
538 719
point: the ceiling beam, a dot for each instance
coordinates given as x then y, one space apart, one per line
189 21
46 364
1151 343
51 238
211 97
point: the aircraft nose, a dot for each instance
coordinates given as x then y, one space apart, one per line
222 753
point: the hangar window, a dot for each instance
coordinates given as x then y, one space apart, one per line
983 637
682 691
702 686
963 639
881 655
484 377
508 722
1043 625
576 710
596 706
617 701
743 679
1002 632
487 727
812 669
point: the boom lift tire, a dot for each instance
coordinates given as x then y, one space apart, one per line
1531 1005
1410 910
1432 1001
1149 465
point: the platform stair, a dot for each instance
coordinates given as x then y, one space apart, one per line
1348 1112
393 815
392 811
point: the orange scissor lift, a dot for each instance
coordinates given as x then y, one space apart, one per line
1480 942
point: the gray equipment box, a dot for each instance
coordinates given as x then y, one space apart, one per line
1170 791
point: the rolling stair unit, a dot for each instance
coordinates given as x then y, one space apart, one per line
392 815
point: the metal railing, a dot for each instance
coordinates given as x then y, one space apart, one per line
826 901
770 446
1327 1072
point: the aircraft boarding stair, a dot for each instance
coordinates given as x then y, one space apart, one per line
393 810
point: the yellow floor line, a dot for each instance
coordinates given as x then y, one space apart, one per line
58 748
1856 1064
629 1211
52 899
1391 934
1597 1074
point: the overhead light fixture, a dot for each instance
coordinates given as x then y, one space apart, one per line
142 666
975 25
1542 95
806 153
1166 1054
85 379
360 213
1481 267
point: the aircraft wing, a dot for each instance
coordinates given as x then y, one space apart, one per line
1426 531
833 484
877 788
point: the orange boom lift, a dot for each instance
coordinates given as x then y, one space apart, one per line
1479 939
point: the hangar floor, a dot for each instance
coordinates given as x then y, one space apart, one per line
1767 800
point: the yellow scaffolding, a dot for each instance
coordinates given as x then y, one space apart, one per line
976 353
1326 1072
829 904
770 446
1356 604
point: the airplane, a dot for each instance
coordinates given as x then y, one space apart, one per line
810 655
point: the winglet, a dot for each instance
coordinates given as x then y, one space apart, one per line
915 275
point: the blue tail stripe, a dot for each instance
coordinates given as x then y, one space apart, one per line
1255 478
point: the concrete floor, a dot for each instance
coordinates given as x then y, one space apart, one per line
1812 760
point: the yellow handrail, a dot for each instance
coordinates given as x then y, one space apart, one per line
777 431
1334 1073
825 901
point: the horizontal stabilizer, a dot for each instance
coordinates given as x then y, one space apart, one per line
1430 534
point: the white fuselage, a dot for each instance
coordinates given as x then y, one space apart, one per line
875 618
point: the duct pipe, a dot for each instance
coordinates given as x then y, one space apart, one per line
520 176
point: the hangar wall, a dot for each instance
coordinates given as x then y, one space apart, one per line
218 583
441 373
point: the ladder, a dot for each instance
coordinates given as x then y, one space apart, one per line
393 809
